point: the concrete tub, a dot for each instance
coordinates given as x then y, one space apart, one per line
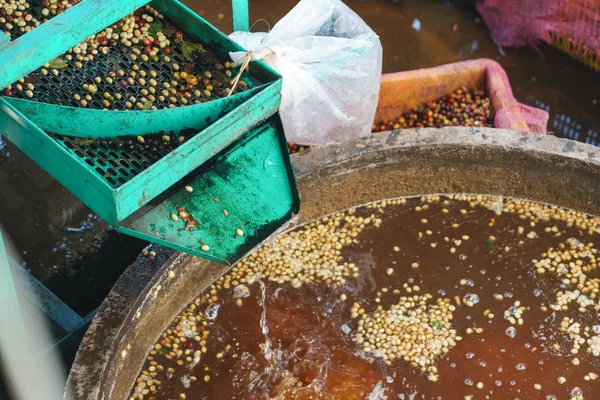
330 178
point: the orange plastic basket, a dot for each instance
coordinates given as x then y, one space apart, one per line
402 91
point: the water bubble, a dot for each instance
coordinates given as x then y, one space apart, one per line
468 282
241 291
596 329
499 278
469 382
527 345
498 383
508 295
471 298
470 355
453 365
389 379
537 292
462 257
511 332
513 383
551 397
521 367
576 392
187 332
483 363
212 311
186 381
483 272
346 329
441 292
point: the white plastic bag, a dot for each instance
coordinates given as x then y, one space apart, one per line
330 61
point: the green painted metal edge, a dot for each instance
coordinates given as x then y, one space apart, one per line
250 187
241 19
196 151
54 37
84 183
95 123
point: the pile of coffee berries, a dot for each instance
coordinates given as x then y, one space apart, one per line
461 108
298 148
18 17
141 62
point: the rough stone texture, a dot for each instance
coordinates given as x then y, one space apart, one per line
331 178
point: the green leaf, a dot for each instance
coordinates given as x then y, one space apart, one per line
155 27
161 351
489 242
436 324
147 105
85 142
189 48
58 64
169 30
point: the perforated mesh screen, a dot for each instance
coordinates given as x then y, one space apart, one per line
118 161
122 75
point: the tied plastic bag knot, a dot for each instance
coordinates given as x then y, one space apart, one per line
330 61
262 53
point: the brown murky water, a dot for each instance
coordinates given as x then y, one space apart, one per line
420 298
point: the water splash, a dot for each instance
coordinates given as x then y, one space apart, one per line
378 392
263 321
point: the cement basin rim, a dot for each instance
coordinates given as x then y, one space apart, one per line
108 359
450 136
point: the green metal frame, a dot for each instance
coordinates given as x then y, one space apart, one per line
116 204
261 190
94 123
